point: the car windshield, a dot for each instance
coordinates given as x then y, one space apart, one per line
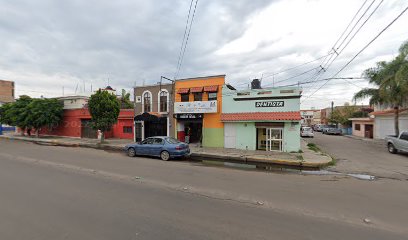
172 140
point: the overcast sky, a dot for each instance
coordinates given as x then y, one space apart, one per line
47 45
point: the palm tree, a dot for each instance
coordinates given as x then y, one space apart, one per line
391 84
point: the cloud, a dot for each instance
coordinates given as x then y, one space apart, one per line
50 44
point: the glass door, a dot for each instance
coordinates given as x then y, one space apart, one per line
274 137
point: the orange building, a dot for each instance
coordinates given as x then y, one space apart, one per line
197 110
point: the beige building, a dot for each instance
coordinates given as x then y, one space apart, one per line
6 91
74 102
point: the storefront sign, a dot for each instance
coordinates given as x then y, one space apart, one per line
195 107
270 104
189 116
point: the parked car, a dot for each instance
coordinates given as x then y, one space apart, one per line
398 143
306 132
318 127
163 147
332 131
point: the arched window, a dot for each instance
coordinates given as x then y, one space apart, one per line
163 100
147 102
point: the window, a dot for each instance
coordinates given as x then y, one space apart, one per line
212 96
198 96
127 129
147 102
404 136
357 127
158 141
148 141
163 101
185 97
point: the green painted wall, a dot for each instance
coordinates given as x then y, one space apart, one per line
229 105
245 136
291 133
213 137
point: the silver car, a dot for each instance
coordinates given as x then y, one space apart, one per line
306 132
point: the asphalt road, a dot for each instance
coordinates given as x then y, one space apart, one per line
72 193
363 156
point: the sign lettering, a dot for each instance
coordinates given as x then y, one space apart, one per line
270 104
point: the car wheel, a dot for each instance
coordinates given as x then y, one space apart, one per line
131 152
391 148
165 156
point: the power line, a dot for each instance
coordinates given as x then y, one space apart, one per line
330 61
358 30
186 42
348 34
320 80
300 65
364 48
184 36
298 75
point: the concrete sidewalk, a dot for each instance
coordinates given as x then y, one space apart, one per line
307 158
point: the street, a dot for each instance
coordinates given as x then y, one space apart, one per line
75 193
363 156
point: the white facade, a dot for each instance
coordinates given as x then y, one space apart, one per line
74 102
384 125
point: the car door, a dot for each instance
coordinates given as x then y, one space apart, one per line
144 147
403 142
156 147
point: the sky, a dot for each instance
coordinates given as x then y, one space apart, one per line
50 48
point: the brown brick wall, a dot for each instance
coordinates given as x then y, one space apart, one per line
6 91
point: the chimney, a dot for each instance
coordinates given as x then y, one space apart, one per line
256 84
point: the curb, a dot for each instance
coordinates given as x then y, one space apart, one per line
194 155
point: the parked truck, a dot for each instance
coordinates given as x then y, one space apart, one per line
398 143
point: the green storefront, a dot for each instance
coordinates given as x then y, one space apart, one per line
261 119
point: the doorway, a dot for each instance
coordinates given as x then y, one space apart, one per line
86 129
270 139
193 131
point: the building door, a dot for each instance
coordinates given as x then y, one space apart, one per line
230 135
368 131
86 129
139 131
274 139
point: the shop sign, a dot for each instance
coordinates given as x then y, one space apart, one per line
188 116
195 107
270 104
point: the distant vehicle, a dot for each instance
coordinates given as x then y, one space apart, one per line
318 127
163 147
397 143
332 131
306 132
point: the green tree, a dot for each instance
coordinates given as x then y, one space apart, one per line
104 108
5 116
342 115
391 83
17 113
125 102
44 113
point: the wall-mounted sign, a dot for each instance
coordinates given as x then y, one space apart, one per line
196 107
270 104
189 115
138 99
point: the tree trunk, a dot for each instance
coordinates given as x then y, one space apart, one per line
37 133
396 120
22 131
102 137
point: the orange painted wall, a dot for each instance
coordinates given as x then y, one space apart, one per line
211 120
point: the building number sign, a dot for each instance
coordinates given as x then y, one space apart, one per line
270 104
